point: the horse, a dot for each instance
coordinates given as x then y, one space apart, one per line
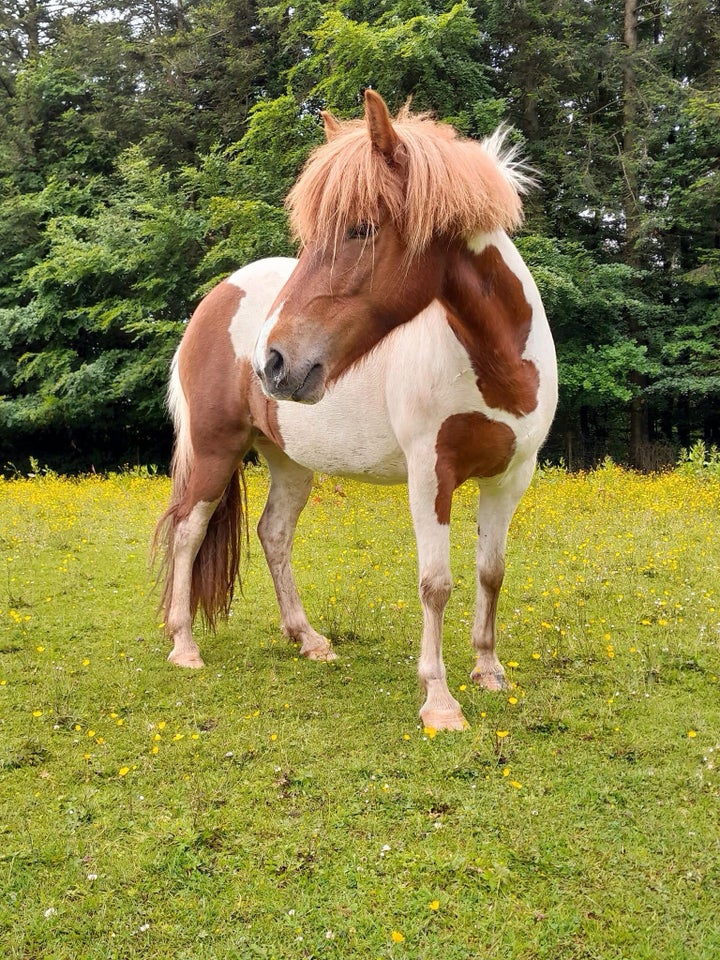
407 343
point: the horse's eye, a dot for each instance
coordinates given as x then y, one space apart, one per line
362 231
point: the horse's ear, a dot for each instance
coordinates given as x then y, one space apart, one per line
379 124
332 126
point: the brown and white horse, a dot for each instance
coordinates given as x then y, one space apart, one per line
414 336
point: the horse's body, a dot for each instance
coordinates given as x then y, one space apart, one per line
437 370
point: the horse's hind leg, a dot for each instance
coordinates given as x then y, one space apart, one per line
290 486
495 510
188 536
201 568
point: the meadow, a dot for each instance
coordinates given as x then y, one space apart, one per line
268 807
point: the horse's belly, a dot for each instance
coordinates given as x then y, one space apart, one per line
347 433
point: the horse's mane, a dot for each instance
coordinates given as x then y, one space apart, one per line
449 185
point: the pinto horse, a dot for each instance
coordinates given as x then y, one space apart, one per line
408 343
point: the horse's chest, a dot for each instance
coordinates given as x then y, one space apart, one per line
349 433
367 424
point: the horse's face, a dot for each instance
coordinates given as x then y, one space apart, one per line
346 294
336 306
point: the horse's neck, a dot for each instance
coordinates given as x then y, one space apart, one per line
490 307
486 277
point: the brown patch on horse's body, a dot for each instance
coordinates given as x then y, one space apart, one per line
219 424
491 317
469 445
263 409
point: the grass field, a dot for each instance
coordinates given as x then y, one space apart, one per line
268 807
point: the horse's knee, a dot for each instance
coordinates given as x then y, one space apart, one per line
490 576
435 589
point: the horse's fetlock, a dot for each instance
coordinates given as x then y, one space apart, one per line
431 672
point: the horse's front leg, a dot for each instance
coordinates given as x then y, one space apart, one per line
495 510
440 710
290 486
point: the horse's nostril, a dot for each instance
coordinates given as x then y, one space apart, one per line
274 367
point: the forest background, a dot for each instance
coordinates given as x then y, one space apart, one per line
146 147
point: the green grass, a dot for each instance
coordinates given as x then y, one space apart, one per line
268 807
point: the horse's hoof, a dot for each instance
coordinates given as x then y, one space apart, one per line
323 654
191 660
444 720
489 680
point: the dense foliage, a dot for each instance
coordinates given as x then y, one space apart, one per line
146 147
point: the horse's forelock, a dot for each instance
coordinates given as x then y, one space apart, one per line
344 183
439 184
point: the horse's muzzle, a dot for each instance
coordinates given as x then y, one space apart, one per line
304 384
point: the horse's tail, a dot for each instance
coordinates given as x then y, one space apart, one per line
216 568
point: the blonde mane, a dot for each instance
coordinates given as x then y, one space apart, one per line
439 184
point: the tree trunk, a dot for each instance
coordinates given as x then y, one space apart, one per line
637 413
630 95
32 27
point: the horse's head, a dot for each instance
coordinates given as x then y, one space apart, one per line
378 209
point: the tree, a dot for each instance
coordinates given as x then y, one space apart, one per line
98 317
